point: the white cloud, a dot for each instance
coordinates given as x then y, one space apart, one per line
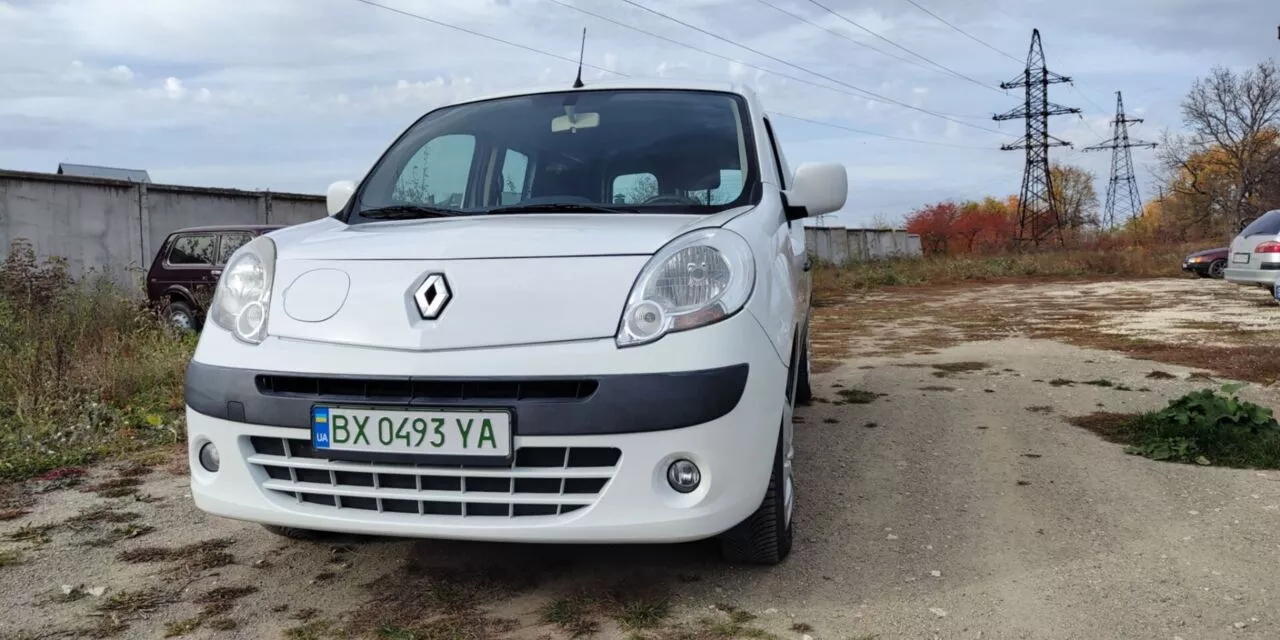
174 89
278 93
120 74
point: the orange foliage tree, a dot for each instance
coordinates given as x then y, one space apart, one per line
948 227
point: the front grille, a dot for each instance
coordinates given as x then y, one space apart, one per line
406 389
542 481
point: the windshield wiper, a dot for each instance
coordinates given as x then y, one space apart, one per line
408 212
555 207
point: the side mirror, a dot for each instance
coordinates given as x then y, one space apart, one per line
818 188
338 195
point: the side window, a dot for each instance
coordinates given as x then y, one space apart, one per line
438 173
515 168
229 243
192 251
779 163
634 188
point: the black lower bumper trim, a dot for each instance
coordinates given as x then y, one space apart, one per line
626 403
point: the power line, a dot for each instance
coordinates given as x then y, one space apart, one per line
762 54
842 35
879 135
940 66
486 36
962 31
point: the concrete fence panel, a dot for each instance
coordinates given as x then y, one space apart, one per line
112 225
839 245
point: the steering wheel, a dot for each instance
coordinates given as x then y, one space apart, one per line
669 198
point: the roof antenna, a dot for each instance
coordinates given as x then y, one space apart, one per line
577 83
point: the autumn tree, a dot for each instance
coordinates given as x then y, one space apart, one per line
1074 197
968 227
1226 168
935 225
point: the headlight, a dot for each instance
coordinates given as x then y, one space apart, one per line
697 279
243 298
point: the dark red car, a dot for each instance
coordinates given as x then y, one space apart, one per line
1209 263
186 269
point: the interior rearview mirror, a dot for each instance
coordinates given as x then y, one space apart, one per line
338 194
574 121
817 188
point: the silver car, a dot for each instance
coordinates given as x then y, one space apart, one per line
1255 253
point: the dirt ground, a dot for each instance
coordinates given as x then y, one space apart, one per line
949 499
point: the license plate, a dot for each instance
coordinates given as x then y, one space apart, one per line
412 431
1240 257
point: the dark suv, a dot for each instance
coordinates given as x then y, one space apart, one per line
186 269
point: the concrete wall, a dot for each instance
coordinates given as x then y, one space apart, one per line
116 227
839 245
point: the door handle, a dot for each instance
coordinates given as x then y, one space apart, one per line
216 272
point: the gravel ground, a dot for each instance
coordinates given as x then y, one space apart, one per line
955 505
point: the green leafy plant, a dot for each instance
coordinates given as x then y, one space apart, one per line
1209 427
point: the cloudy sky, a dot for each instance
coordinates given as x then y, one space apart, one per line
290 95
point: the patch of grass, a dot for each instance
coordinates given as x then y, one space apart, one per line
642 614
9 558
225 594
950 368
12 514
1061 382
36 534
314 630
222 624
801 627
714 629
575 615
1203 427
182 627
1161 375
133 470
830 421
934 387
122 532
135 601
415 596
831 283
100 514
858 396
1100 382
115 487
187 559
89 373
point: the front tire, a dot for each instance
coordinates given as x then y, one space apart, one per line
765 537
1217 268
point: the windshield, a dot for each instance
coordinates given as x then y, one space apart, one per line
617 151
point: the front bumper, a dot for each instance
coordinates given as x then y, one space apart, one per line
596 485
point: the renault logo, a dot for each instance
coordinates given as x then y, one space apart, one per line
432 295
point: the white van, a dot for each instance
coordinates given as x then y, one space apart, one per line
561 316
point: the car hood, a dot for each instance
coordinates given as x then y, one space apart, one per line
502 280
1210 252
490 236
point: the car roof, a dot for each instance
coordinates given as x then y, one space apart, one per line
627 83
228 227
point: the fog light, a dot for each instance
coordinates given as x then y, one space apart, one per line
208 457
683 476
